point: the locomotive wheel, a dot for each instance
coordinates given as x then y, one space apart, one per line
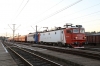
60 44
68 45
54 44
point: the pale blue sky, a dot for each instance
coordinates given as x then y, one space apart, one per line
47 13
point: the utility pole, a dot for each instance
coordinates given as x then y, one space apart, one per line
13 29
6 34
13 32
36 37
18 37
36 29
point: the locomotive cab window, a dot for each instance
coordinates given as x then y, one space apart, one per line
82 31
75 30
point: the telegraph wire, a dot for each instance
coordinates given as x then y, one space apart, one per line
59 11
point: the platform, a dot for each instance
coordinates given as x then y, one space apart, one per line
5 57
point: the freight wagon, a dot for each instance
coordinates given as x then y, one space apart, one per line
93 39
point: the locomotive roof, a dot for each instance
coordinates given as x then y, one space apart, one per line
58 29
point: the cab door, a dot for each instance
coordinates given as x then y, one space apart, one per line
68 36
62 37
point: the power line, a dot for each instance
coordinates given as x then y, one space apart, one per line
84 15
59 11
51 7
19 7
83 9
22 9
90 21
79 11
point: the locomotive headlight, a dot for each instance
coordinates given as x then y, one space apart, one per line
75 37
84 37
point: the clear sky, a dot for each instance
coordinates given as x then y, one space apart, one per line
47 13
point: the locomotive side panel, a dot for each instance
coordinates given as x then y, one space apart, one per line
52 36
30 38
68 36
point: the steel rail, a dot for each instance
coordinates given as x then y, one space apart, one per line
27 63
72 51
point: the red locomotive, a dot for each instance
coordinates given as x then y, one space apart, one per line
72 36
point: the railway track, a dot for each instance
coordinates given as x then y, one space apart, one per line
91 49
59 60
30 59
85 52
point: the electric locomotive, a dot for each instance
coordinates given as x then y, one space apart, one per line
71 36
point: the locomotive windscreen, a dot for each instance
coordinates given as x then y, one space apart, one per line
75 30
78 31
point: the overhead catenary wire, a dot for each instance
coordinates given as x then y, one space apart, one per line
84 16
59 11
82 10
21 9
50 8
90 21
20 5
78 12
